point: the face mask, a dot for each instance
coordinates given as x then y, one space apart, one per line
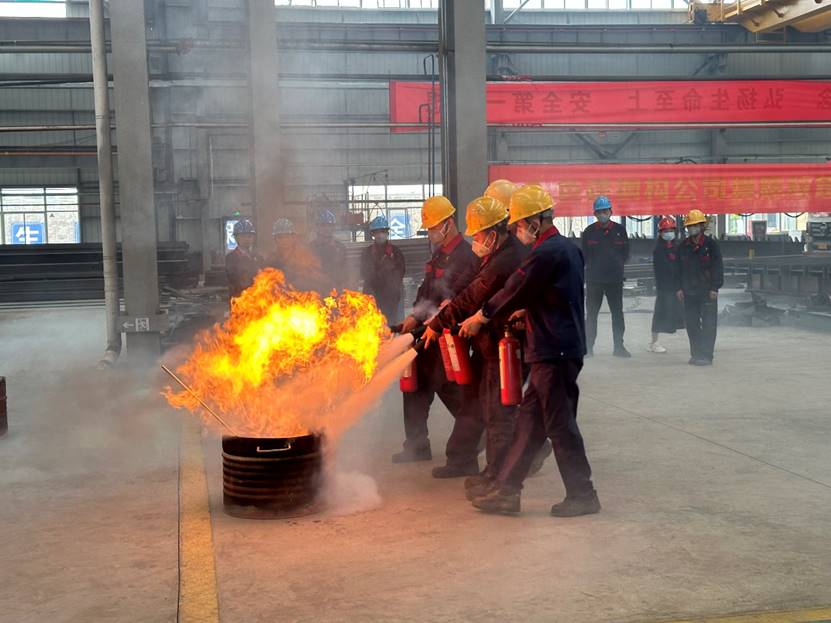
668 235
481 249
380 238
528 235
603 218
693 231
437 236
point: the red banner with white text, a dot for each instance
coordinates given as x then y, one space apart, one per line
644 189
710 102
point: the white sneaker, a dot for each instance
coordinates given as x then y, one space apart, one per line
656 348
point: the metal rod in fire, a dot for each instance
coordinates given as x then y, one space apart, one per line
172 375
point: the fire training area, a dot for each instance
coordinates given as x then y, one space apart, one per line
162 460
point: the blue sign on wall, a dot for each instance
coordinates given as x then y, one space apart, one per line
399 224
27 233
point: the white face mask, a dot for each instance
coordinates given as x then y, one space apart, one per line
693 230
437 236
483 249
528 234
380 237
668 235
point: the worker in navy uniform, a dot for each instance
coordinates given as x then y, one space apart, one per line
549 287
243 263
450 269
700 277
606 249
382 270
299 265
501 253
668 315
330 252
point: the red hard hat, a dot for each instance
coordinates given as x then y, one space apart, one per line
666 223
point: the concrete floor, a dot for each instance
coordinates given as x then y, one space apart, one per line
715 482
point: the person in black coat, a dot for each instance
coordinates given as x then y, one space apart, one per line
450 269
668 316
501 253
700 277
549 286
382 270
606 249
243 263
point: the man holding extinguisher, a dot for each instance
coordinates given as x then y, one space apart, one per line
450 269
549 286
501 253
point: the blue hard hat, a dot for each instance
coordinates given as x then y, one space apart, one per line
379 222
326 217
244 226
602 203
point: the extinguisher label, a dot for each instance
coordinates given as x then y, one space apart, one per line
454 357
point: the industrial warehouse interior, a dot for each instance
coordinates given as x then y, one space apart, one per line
415 310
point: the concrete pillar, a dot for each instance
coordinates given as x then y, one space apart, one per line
464 132
267 167
718 155
135 172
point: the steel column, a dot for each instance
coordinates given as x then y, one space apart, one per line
266 167
465 145
135 172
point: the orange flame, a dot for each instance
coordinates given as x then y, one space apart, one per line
284 359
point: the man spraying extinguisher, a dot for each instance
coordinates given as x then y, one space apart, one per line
549 286
501 253
449 270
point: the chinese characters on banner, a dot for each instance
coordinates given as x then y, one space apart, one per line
582 103
643 189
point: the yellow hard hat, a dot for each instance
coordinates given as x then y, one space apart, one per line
501 190
483 213
695 217
528 201
435 210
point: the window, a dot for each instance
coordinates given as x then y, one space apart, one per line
33 8
39 215
399 204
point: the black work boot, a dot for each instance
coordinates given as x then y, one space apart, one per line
500 500
539 460
574 507
456 471
410 454
620 351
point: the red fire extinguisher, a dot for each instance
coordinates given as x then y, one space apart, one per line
408 383
449 374
510 370
459 353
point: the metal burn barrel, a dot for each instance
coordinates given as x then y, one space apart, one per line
4 421
266 478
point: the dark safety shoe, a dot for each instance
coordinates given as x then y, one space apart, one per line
410 455
620 351
499 500
702 362
456 471
692 361
480 490
574 507
542 454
